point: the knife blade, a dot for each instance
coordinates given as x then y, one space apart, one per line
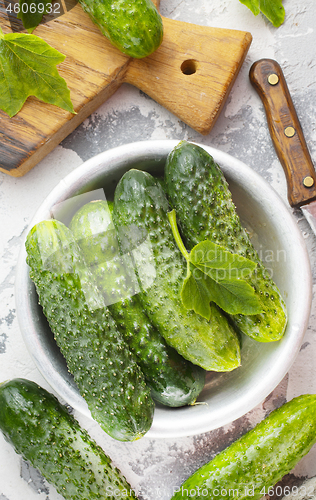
287 135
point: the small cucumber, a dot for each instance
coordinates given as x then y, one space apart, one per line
140 214
103 367
198 191
44 433
259 459
133 26
173 380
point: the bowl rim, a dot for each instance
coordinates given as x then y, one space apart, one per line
204 420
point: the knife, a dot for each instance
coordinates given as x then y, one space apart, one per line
267 78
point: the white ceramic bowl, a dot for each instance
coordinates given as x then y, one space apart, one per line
228 396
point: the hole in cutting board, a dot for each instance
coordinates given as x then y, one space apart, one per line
189 66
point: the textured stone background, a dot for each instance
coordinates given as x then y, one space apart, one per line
154 467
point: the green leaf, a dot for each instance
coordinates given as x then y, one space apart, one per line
220 264
31 12
272 9
28 68
253 5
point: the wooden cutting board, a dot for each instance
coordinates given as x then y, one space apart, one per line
190 74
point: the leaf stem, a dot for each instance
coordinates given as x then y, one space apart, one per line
176 234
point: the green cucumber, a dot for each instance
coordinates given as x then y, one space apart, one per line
199 192
258 460
140 214
173 380
103 367
133 26
45 434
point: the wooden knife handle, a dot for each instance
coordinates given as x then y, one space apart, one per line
267 78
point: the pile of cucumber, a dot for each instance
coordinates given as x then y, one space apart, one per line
110 286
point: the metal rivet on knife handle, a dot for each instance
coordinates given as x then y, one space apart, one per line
286 131
308 181
273 79
289 131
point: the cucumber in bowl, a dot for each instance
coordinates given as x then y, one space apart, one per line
140 211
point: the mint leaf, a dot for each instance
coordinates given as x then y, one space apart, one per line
28 68
272 9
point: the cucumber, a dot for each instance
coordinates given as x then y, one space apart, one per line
103 367
199 192
259 459
44 433
173 380
140 214
133 26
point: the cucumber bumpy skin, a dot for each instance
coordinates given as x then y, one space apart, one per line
45 434
259 459
103 367
173 380
133 26
199 193
140 213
